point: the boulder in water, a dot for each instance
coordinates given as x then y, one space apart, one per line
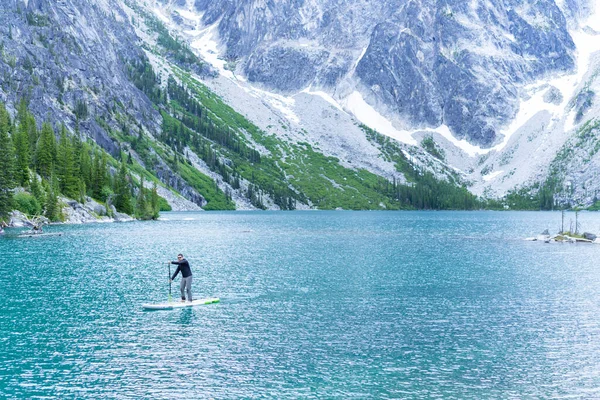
590 236
120 217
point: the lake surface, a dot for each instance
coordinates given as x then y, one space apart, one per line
314 305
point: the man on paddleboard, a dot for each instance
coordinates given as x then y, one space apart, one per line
186 276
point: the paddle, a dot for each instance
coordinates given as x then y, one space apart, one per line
170 298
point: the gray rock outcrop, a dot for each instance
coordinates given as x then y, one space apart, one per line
71 57
456 63
90 212
80 63
18 220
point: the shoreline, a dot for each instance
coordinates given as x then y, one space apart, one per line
73 213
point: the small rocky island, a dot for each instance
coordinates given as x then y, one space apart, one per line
565 237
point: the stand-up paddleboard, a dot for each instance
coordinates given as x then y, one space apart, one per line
170 305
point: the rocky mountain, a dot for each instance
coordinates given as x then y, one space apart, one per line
73 61
71 52
319 103
428 63
116 73
491 82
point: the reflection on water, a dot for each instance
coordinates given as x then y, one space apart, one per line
186 316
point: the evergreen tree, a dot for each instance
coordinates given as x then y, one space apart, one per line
140 206
77 147
100 178
85 167
23 155
51 209
97 180
36 189
108 178
7 161
123 191
67 177
28 130
46 151
154 203
81 191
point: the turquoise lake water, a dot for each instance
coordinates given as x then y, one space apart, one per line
314 305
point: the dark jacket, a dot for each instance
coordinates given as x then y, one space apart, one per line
184 267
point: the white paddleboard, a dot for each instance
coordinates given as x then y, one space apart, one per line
170 305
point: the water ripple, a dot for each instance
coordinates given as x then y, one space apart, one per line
314 305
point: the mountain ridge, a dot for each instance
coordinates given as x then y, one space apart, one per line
140 95
418 58
548 56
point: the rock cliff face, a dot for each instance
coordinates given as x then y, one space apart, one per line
426 63
68 58
502 86
72 61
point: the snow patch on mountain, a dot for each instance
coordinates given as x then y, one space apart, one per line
587 42
468 148
189 15
205 41
492 176
364 112
324 96
160 15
